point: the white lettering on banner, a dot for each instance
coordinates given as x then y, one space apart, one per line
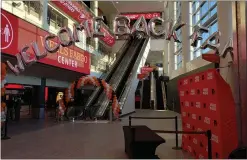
193 116
187 104
215 138
207 120
67 61
184 114
197 78
205 91
181 93
189 147
212 106
201 156
194 141
210 76
185 135
187 125
67 5
192 92
198 104
185 81
199 129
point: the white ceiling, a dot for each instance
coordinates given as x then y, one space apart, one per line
139 6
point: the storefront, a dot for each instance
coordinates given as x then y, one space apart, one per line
55 70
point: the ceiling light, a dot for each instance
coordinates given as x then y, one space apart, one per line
116 2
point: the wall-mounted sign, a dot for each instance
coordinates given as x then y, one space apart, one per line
79 13
134 16
27 36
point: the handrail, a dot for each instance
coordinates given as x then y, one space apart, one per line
123 47
116 79
106 76
208 133
129 81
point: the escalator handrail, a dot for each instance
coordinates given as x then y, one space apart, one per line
121 65
119 80
125 68
127 86
121 51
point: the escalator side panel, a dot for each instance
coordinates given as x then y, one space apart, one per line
159 95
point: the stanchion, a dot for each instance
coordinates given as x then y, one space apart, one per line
176 135
209 136
129 121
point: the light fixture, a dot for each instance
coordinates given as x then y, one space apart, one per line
116 2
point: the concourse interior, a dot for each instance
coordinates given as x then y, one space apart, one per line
75 85
86 140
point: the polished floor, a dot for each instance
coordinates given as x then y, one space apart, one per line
36 139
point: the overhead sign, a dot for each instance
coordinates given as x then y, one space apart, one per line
146 70
80 13
25 34
134 16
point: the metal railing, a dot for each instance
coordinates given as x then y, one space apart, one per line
208 133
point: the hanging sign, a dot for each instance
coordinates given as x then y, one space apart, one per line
146 70
134 16
141 76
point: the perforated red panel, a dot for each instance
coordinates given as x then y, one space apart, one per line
207 104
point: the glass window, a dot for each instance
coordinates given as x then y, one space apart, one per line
204 9
214 11
33 8
214 28
55 19
179 60
204 18
212 3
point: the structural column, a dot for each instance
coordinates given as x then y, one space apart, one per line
44 15
171 42
185 17
95 7
166 51
38 100
232 22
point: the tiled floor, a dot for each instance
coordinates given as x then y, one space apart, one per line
82 140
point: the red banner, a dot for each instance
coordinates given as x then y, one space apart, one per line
134 16
141 76
79 13
16 33
146 70
211 57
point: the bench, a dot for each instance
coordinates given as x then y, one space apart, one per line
141 142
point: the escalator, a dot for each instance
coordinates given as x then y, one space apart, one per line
126 55
120 77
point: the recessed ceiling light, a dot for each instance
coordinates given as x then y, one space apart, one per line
116 2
